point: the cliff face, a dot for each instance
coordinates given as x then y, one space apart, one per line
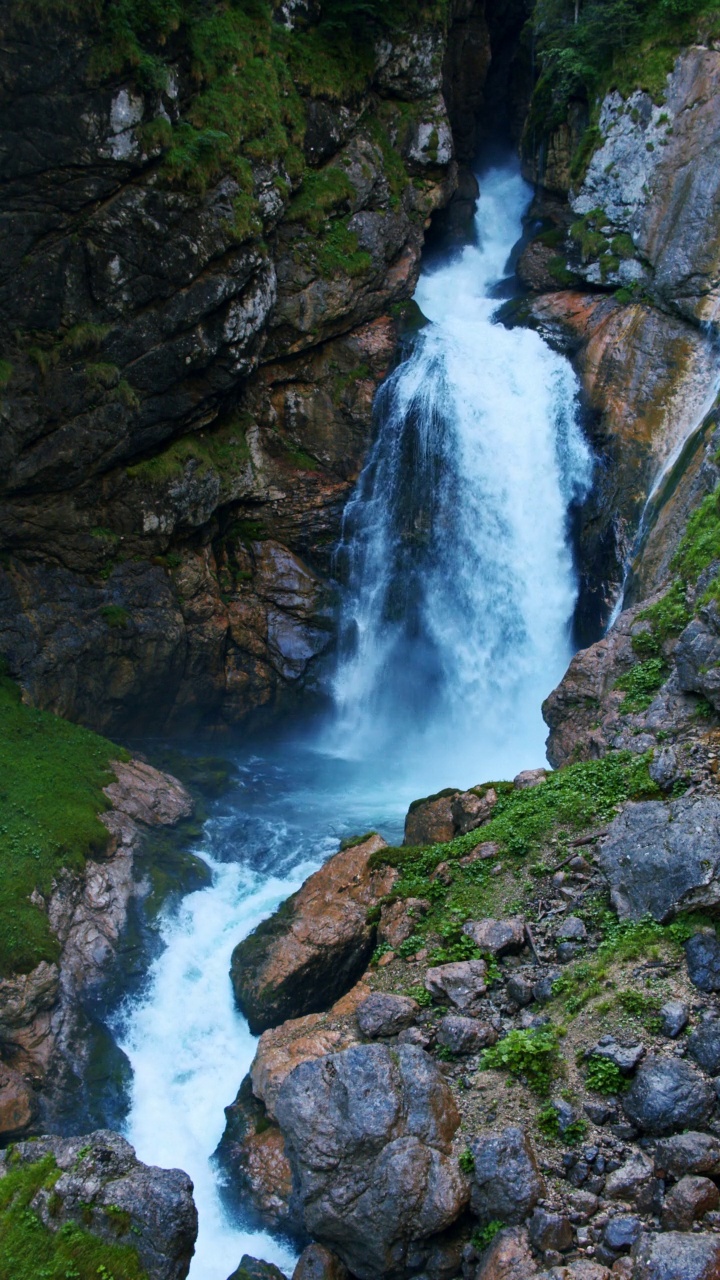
208 233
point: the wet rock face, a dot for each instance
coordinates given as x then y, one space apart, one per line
660 859
312 951
369 1134
104 1188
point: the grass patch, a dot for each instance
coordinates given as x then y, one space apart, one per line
667 618
532 1055
640 684
224 449
29 1251
604 1076
548 1122
51 778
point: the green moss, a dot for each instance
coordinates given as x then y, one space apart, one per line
484 1236
114 615
102 375
6 373
700 545
560 272
223 449
351 841
85 337
587 234
29 1251
51 778
322 193
667 618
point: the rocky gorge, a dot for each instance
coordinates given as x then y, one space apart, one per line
491 1051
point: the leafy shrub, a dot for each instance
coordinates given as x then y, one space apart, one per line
641 684
466 1160
604 1076
532 1054
485 1235
548 1122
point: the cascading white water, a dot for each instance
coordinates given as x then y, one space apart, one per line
456 626
457 620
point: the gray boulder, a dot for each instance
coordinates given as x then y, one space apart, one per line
703 1046
663 858
697 656
702 953
572 929
631 1179
688 1153
151 1210
674 1016
548 1230
520 990
499 937
667 1094
621 1233
625 1057
461 982
368 1133
465 1035
255 1269
676 1255
385 1015
506 1181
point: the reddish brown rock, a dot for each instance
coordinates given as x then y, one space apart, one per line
471 810
499 937
509 1257
318 1263
689 1199
147 795
312 950
430 821
17 1103
399 919
297 1040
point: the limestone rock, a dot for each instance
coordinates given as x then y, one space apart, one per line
385 1015
462 982
506 1181
499 937
667 1094
147 795
368 1133
689 1199
676 1255
660 859
312 950
100 1170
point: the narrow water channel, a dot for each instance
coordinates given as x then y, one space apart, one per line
456 624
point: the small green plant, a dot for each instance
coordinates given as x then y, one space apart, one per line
114 615
466 1160
640 684
532 1054
548 1122
604 1076
445 1054
6 373
421 996
485 1235
383 949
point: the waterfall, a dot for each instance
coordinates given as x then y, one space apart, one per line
456 621
456 624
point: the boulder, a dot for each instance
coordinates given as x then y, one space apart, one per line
251 1154
369 1133
470 810
506 1182
698 654
631 1178
430 821
667 1094
312 950
153 1209
625 1057
550 1230
621 1233
462 983
465 1035
318 1263
509 1257
689 1199
702 953
572 929
283 1048
147 795
703 1046
677 1255
520 990
688 1153
399 919
663 858
529 778
499 937
674 1016
385 1015
255 1269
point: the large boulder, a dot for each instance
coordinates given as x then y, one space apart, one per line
316 945
318 1263
369 1133
509 1257
430 821
104 1188
677 1255
702 953
382 1015
506 1181
663 858
667 1095
690 1152
462 982
257 1174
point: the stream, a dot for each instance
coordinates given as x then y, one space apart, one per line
456 623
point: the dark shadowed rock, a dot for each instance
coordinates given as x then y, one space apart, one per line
462 983
312 950
465 1035
572 929
506 1181
677 1255
369 1132
667 1094
703 1046
385 1015
621 1233
688 1153
674 1016
631 1180
509 1257
663 858
17 1103
255 1269
550 1230
157 1215
702 953
470 810
499 937
318 1263
689 1199
520 990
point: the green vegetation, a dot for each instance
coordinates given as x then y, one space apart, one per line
604 1076
466 1160
115 615
531 1054
29 1251
51 778
484 1236
223 449
6 373
667 618
548 1122
641 683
